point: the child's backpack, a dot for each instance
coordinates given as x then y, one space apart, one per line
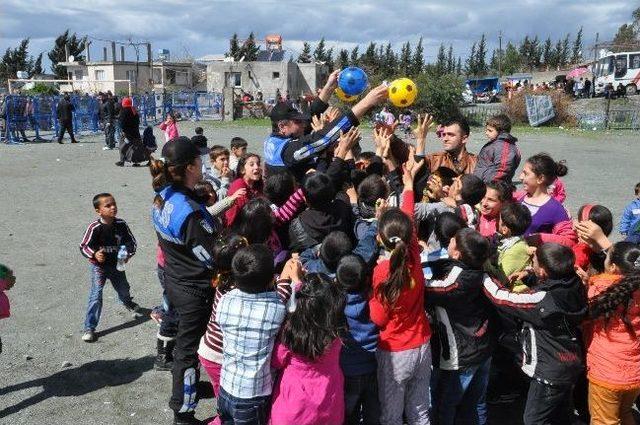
149 140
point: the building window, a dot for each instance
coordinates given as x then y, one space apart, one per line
100 74
235 79
78 74
131 75
276 75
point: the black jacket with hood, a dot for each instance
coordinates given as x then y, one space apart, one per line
552 350
461 313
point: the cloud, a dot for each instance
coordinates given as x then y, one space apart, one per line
200 27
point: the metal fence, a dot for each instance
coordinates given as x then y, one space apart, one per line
478 114
38 114
616 119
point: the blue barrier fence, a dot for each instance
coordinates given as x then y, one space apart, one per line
38 114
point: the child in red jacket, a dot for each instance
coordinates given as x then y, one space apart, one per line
397 307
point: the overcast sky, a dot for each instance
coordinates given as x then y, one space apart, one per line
199 27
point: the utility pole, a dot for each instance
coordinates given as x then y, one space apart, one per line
596 67
499 53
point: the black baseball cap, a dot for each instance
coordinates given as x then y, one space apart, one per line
286 111
180 151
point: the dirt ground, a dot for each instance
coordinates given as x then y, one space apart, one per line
48 375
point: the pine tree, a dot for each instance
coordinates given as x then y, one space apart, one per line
343 58
441 62
535 51
451 64
471 68
319 54
576 53
511 60
625 39
234 48
564 58
459 66
493 65
354 58
250 49
329 58
405 59
524 52
390 61
369 58
418 59
37 66
305 55
18 59
547 53
556 56
57 54
481 57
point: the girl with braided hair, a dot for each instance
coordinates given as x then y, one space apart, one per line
613 337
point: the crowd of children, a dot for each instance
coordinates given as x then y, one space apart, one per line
379 287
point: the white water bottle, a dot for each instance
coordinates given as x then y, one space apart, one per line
122 257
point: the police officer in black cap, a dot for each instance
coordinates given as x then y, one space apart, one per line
185 233
292 146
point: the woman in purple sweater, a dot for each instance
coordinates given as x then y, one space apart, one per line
549 219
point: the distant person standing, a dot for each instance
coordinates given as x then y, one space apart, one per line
131 147
65 118
586 91
109 117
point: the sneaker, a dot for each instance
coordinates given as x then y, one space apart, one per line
120 163
106 148
135 310
185 419
135 164
89 336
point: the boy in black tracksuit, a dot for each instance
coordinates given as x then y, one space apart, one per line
463 331
552 353
100 244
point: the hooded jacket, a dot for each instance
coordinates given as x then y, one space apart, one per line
461 313
552 350
498 159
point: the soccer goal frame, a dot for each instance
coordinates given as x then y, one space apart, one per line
80 83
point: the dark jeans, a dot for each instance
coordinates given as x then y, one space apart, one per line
243 411
194 308
99 276
361 399
461 394
68 126
169 324
548 404
110 134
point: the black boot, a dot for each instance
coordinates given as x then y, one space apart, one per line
185 419
164 358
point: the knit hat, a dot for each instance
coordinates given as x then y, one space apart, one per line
127 102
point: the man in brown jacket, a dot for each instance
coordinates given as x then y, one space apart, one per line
454 141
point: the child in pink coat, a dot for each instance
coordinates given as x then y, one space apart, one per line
7 280
310 389
170 127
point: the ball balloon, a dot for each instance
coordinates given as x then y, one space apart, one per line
352 81
402 92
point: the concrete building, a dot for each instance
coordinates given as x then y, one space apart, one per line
267 77
141 75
